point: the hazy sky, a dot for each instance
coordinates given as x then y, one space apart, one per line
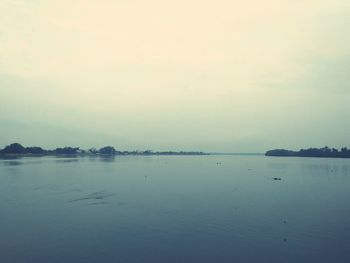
211 75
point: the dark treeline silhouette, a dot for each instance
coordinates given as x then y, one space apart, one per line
66 150
18 149
312 152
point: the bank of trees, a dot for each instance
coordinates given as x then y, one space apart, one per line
18 149
312 152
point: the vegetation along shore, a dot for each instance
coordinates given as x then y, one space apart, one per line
18 149
312 152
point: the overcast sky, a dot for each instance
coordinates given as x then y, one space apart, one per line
211 75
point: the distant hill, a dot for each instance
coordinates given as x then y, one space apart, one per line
312 152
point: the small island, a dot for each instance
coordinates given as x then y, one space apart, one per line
16 149
312 152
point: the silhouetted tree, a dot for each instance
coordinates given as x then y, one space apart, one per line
14 148
35 150
66 150
107 150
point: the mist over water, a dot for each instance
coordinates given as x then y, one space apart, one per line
174 209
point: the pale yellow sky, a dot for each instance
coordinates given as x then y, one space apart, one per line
209 75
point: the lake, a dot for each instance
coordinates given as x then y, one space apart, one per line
174 209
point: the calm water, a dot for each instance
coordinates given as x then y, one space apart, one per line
175 209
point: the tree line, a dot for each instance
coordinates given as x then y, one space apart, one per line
312 152
18 149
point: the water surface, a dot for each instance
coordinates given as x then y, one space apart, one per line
174 209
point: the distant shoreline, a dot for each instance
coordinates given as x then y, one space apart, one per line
16 149
324 152
5 155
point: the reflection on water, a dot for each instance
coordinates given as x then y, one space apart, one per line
174 209
12 163
67 160
106 158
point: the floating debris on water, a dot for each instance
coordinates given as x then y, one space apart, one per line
277 178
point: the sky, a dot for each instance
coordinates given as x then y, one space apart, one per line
209 75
